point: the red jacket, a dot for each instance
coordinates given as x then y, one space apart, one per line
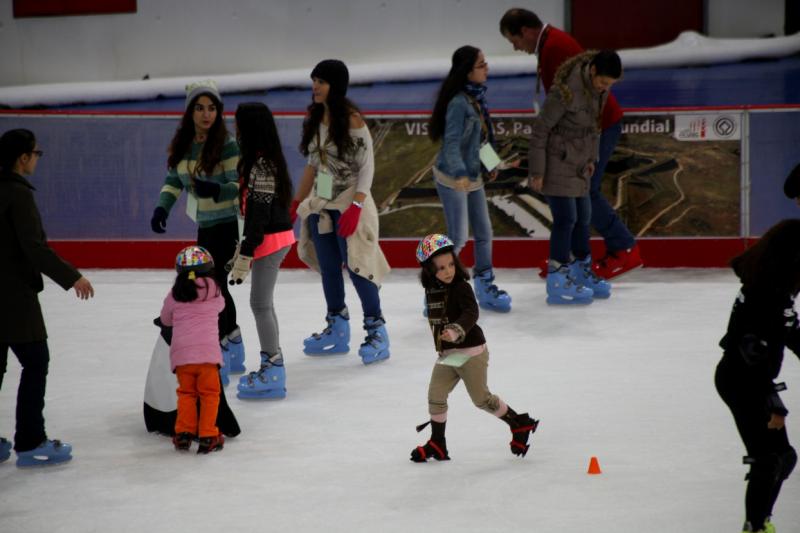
557 46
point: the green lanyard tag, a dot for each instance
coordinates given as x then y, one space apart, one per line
455 359
324 184
489 157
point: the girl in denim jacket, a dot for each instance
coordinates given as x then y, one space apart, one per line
461 121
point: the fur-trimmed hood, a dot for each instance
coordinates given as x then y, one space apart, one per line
562 77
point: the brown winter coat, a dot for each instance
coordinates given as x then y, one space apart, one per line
566 134
24 257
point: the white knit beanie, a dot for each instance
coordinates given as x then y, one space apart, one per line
197 88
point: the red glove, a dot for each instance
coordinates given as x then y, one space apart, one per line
293 211
349 220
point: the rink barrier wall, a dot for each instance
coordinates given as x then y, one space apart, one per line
98 252
507 253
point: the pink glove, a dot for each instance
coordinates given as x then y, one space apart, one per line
349 220
293 211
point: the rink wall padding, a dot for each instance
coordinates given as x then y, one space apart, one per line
695 184
508 253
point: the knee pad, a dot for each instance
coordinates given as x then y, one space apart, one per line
773 467
787 461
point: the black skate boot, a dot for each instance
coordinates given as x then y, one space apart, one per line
522 426
211 444
436 447
182 441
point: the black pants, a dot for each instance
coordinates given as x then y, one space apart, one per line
35 359
751 414
220 241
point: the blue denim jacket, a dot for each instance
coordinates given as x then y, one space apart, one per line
461 143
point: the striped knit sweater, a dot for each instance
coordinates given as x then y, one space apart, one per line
209 212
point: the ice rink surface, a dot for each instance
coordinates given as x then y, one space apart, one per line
629 380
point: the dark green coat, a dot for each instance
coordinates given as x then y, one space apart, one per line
24 257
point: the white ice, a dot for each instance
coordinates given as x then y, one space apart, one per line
629 380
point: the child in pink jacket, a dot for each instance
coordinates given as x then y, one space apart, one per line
191 308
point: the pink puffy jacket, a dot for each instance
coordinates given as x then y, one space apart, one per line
195 336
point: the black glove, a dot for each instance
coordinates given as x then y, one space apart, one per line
159 221
166 331
754 351
207 189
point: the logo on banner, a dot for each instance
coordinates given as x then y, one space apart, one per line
725 126
706 127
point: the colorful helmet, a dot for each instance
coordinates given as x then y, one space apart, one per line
194 259
431 245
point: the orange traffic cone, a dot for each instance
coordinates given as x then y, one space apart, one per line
594 466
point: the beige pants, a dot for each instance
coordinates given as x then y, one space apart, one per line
445 378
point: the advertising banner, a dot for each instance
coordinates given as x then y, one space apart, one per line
672 175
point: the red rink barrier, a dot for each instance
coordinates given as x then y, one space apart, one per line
508 253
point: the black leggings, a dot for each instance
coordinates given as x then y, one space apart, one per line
34 357
220 240
771 456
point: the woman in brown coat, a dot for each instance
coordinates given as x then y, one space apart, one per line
24 257
563 154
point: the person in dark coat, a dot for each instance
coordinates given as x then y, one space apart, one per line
24 257
791 187
763 322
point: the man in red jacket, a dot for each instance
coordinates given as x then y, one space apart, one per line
526 33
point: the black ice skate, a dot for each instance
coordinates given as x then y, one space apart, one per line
522 426
436 447
182 441
210 444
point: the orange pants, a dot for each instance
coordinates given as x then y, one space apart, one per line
198 381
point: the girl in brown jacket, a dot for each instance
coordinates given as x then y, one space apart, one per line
563 154
453 316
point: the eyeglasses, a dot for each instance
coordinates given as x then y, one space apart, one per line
39 153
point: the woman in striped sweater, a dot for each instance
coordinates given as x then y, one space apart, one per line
202 159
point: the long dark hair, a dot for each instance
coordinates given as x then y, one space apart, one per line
185 288
773 263
462 64
13 144
184 135
340 108
427 275
258 137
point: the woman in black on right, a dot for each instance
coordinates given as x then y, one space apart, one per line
763 321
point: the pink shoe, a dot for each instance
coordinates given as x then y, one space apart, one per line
617 263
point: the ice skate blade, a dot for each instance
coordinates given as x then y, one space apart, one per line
272 394
333 350
372 359
560 300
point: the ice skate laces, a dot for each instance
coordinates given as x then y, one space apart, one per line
491 288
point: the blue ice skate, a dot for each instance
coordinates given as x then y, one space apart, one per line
268 383
264 361
489 296
5 450
334 339
581 271
224 370
50 452
236 348
562 289
376 345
